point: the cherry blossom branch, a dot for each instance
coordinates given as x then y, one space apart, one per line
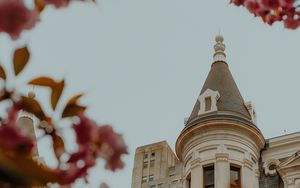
271 11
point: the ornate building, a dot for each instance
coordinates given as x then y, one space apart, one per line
220 145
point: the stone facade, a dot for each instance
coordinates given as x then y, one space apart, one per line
156 165
220 145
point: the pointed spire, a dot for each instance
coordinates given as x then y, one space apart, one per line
219 47
219 94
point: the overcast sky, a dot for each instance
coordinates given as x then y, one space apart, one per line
142 64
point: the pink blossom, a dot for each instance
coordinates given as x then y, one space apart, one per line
273 11
286 3
57 3
16 17
270 19
291 23
252 6
271 4
237 2
112 147
85 130
73 172
11 139
94 140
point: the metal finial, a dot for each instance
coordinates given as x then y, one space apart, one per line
219 47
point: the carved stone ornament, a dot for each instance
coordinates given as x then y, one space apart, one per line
270 167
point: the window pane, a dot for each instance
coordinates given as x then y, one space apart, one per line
207 103
153 154
145 165
144 179
209 177
152 163
234 177
151 177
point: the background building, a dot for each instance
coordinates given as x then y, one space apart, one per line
220 145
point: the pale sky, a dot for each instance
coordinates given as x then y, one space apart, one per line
142 65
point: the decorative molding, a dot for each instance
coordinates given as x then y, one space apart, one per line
222 157
257 173
268 164
195 163
248 163
291 181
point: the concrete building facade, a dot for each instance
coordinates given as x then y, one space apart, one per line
220 145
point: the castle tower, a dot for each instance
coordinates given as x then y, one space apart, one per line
220 145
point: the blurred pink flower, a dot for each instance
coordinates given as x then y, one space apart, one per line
237 2
113 147
291 23
98 141
273 11
11 137
85 130
272 4
16 17
73 172
57 3
252 6
286 3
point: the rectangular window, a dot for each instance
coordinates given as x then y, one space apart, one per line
151 177
235 177
209 177
145 165
146 156
207 103
153 154
152 163
144 179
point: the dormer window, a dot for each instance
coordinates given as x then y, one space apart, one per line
208 101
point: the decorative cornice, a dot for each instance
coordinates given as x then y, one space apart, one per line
219 124
195 163
222 157
248 163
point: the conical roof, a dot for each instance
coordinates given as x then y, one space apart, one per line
220 79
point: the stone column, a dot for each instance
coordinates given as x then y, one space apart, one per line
185 183
222 171
256 180
248 174
196 174
290 183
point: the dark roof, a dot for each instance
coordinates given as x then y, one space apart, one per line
220 79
